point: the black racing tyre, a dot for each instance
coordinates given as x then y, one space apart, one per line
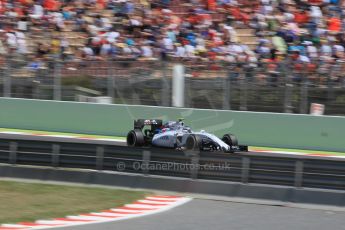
193 142
135 138
230 139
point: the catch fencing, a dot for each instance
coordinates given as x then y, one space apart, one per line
270 87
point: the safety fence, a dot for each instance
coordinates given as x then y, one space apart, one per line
272 87
294 171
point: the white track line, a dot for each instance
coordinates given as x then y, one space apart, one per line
124 210
104 139
14 226
154 202
63 136
52 222
110 214
280 152
15 133
82 217
59 136
142 206
298 153
161 198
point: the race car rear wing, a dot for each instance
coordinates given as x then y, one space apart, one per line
154 123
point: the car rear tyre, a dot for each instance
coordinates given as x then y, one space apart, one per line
135 138
230 139
193 142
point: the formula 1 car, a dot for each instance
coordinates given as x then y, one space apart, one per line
174 134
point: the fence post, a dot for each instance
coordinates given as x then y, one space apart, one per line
146 162
55 155
36 89
110 83
57 81
245 169
178 86
288 93
135 98
165 91
195 167
330 86
13 152
188 93
226 93
7 83
304 95
298 174
99 157
243 92
288 85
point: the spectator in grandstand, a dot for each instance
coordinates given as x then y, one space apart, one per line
316 14
80 23
263 49
22 24
55 47
167 44
259 23
230 33
58 21
312 50
334 24
42 50
297 46
37 11
36 64
3 49
180 51
325 49
146 50
279 43
11 40
251 63
87 53
21 43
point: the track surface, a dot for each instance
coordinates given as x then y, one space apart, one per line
207 214
122 140
86 140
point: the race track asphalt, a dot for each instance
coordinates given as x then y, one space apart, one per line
220 215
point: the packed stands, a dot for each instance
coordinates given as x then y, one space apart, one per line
302 35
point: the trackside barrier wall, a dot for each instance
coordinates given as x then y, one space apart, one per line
251 128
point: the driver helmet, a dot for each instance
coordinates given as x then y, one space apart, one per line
165 129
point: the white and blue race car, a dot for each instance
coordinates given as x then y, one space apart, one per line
174 134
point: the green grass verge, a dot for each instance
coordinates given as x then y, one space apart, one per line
31 201
254 148
60 133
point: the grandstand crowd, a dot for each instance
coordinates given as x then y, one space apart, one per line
308 33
